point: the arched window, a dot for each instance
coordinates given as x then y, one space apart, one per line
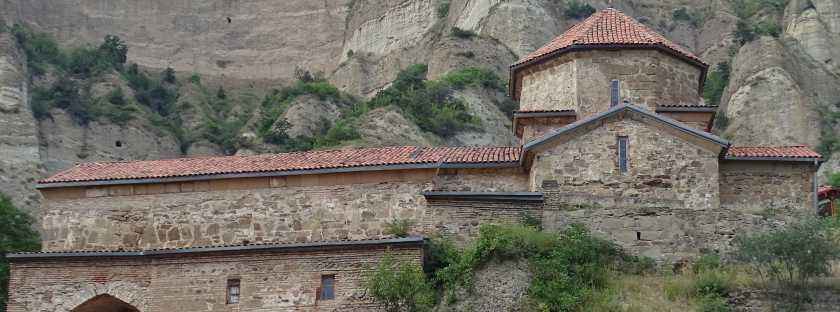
105 303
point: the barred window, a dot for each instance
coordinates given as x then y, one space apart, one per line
615 92
623 165
233 291
327 287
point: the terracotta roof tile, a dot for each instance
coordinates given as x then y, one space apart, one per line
349 158
772 152
609 27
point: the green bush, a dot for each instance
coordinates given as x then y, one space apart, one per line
114 51
16 234
716 82
706 262
567 266
462 33
713 304
792 255
443 8
768 28
693 18
398 227
400 286
116 96
712 283
577 9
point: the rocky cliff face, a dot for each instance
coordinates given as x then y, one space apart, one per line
19 157
778 91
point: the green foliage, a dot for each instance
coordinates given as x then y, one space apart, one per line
114 51
16 235
473 77
749 27
272 128
398 227
577 9
529 219
712 283
792 255
747 8
683 14
195 79
443 8
400 286
833 179
716 82
168 76
567 266
41 50
713 304
462 33
706 262
116 96
768 28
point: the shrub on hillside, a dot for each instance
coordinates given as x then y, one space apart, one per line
566 266
716 82
462 33
792 255
577 9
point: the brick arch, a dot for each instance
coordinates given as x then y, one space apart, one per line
130 292
105 303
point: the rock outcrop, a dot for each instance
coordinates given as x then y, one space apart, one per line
19 158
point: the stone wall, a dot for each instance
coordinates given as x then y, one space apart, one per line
550 86
659 207
460 219
270 281
767 187
286 209
581 81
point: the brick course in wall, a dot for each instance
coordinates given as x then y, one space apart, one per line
278 280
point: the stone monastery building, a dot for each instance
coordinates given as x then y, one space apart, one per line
612 132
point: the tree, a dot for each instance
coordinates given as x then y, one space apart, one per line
16 234
400 286
115 50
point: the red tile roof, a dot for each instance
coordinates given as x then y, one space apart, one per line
772 152
609 27
300 161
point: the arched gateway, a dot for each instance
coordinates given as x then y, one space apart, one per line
105 303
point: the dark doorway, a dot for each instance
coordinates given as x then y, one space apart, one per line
105 303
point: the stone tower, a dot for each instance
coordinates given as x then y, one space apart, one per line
607 59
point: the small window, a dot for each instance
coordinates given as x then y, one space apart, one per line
638 235
615 92
233 291
327 290
622 154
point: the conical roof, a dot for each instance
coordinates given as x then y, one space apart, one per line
609 28
606 29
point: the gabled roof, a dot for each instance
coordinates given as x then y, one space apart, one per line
363 159
797 152
548 137
609 27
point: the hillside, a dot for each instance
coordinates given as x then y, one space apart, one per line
267 76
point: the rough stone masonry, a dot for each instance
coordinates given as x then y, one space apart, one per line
613 135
